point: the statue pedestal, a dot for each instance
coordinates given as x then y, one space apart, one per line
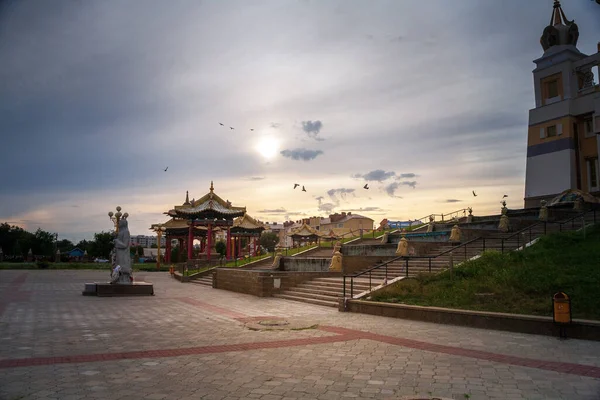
114 289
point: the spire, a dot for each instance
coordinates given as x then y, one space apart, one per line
187 199
560 31
212 188
556 13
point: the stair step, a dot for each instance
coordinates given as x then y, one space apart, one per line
331 296
203 281
307 300
316 290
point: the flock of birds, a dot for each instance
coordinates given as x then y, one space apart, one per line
303 188
232 128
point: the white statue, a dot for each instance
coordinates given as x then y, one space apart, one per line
122 272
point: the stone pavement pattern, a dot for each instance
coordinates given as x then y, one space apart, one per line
191 342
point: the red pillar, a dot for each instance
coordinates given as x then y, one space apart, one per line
168 250
239 252
202 244
190 244
228 241
209 241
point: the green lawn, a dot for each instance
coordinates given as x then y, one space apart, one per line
93 266
518 282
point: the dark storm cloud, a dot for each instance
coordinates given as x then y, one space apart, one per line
342 192
274 211
391 189
364 209
377 175
312 129
412 184
325 207
452 201
301 154
406 176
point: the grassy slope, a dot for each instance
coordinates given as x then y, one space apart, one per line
521 282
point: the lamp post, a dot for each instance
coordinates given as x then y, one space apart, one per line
159 229
116 217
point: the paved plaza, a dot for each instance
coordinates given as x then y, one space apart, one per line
194 342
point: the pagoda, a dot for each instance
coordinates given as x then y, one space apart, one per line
249 228
201 218
304 233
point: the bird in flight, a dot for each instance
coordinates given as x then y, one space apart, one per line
231 127
505 196
303 189
252 129
221 124
296 185
474 194
166 169
366 186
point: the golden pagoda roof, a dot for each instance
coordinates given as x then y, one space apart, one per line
247 222
304 230
209 205
178 224
331 234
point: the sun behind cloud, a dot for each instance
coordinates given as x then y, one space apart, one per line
267 147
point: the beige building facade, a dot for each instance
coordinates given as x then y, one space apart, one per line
562 144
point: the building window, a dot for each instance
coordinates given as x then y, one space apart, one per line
588 127
592 169
552 88
551 131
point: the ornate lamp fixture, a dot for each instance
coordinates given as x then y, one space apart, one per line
116 217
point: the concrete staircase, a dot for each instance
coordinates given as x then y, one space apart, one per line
321 291
326 291
205 280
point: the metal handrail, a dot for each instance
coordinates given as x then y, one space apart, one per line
406 258
463 210
465 244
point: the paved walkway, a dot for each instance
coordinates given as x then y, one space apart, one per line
191 342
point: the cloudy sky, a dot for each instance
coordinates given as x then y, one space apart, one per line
424 101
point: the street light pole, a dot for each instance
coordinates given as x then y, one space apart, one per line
116 217
159 229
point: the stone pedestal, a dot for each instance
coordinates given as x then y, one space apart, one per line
115 289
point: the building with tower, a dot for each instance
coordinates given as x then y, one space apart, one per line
562 144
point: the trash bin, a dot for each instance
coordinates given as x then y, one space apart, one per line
561 308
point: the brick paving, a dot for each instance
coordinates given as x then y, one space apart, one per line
190 342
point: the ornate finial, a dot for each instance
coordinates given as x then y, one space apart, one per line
187 199
212 188
557 12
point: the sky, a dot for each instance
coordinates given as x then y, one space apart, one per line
423 101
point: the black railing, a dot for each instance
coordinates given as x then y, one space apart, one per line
473 244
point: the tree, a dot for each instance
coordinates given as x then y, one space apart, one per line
269 240
10 235
65 246
221 248
43 243
84 245
102 245
154 246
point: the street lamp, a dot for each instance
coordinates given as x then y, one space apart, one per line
159 229
116 217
